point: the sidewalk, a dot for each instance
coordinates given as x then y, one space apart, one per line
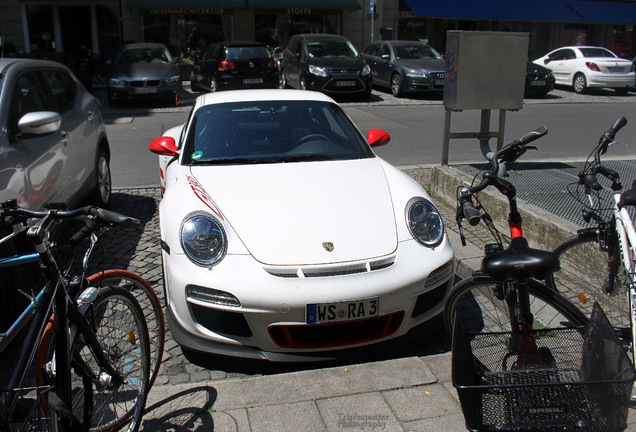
406 394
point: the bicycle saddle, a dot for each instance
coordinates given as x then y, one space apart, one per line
520 261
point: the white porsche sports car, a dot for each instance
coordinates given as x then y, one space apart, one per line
284 237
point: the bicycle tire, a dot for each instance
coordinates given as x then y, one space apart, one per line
481 312
119 325
584 276
150 304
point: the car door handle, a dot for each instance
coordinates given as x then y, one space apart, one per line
91 116
65 137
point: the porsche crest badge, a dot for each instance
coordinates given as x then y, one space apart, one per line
328 246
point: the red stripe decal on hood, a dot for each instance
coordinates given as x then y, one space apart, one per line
203 196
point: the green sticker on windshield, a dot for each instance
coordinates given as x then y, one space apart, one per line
197 154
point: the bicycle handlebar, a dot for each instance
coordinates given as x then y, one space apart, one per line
93 217
508 153
588 176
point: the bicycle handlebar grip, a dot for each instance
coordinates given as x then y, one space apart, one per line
111 217
471 213
534 135
618 125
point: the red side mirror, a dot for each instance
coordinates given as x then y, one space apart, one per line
377 138
163 146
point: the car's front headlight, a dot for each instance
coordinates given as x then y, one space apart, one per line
366 70
318 71
425 222
116 82
203 239
173 79
415 73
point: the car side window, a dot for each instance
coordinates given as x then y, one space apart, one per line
63 89
28 96
298 50
557 55
384 51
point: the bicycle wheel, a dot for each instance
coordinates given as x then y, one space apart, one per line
120 328
481 310
150 305
584 278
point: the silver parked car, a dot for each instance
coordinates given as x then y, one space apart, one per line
144 70
53 144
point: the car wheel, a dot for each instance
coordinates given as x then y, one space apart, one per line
396 86
193 83
580 83
302 83
213 86
102 193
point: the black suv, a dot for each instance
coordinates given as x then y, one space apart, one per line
233 66
325 63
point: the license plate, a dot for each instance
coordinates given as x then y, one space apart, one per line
253 81
345 83
438 82
319 313
615 69
537 83
146 90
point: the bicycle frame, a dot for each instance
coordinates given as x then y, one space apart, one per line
627 243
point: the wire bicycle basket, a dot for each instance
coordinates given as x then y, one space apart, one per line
28 415
582 378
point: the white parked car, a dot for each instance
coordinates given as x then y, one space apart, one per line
583 67
285 237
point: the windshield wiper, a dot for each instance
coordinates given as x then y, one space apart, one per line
227 161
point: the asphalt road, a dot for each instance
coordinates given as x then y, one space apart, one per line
416 126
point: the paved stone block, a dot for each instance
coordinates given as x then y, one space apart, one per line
303 416
422 402
368 412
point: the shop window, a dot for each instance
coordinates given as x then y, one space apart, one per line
40 19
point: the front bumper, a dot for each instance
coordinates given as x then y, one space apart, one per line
271 317
341 85
141 89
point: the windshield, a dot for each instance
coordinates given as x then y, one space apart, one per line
331 49
415 52
597 52
144 55
247 53
272 132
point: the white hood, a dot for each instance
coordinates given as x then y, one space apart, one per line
284 213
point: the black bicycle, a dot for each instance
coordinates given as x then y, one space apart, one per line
506 295
94 373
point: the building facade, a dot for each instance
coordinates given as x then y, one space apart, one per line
70 26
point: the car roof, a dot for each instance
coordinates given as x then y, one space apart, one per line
142 45
260 95
405 42
321 36
28 63
241 44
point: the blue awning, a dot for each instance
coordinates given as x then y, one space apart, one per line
571 11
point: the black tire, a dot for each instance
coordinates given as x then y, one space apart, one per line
480 310
396 85
584 278
579 83
103 180
120 328
150 304
193 83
